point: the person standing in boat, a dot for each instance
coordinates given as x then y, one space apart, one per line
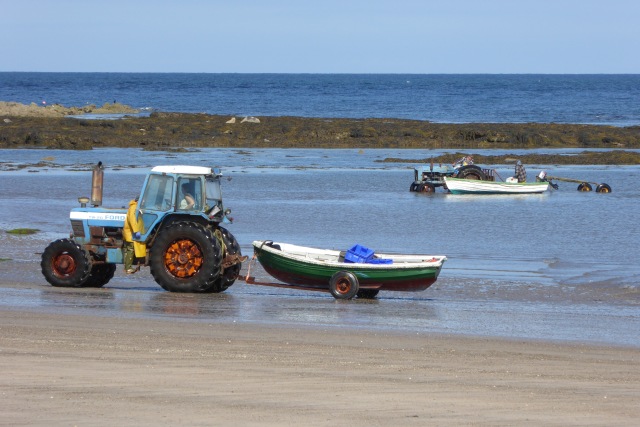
521 173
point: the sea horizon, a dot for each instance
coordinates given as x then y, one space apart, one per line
600 99
320 73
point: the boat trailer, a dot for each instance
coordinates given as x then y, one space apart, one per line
582 185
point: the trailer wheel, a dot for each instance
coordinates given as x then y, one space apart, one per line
585 186
603 188
427 187
100 275
186 257
471 172
65 264
368 293
343 285
230 274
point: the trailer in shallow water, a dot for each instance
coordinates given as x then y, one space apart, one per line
582 185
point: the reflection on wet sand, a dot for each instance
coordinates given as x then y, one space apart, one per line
201 306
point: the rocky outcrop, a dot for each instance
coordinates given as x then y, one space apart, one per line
162 130
57 110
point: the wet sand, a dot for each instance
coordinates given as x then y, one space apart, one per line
79 370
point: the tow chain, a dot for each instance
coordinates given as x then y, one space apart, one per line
248 279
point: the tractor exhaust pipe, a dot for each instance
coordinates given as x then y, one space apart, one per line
96 185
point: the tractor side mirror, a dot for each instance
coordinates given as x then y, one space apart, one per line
226 217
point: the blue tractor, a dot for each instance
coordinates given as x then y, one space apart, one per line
427 178
187 248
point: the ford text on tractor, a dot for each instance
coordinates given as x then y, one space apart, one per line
187 248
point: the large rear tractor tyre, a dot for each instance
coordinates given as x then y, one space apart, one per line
344 285
65 264
186 257
100 275
471 172
229 274
603 188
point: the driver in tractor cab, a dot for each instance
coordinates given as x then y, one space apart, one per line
188 201
465 161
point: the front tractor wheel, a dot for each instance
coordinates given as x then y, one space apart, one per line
427 187
65 264
100 275
186 257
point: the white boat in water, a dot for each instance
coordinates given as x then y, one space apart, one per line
474 186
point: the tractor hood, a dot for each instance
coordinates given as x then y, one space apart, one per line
100 217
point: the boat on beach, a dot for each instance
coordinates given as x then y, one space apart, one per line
474 186
346 274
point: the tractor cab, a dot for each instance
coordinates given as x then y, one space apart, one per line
178 191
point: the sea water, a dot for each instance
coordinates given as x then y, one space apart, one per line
446 98
560 265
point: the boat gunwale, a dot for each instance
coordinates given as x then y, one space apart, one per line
493 187
396 265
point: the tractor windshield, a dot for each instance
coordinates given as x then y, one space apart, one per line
157 194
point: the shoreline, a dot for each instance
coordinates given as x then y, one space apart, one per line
71 369
439 310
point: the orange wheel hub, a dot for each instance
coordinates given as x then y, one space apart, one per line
64 265
183 258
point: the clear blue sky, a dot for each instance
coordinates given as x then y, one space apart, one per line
321 36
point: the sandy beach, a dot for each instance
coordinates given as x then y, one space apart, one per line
84 370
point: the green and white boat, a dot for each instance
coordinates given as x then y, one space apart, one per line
474 186
303 267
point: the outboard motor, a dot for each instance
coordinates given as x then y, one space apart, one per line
542 177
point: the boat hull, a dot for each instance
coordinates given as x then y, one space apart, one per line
310 274
472 186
